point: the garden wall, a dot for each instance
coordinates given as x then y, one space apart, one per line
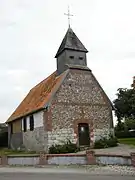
90 158
67 159
113 159
23 160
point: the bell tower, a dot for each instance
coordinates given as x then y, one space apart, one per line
71 52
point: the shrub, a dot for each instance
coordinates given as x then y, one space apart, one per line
99 144
106 142
67 147
112 142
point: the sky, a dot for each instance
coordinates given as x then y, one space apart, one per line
31 32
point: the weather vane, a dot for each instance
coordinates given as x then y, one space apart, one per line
69 15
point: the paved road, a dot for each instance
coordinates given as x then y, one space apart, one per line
63 176
52 173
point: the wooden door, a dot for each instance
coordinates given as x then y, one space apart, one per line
84 134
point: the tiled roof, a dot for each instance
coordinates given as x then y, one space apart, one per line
37 97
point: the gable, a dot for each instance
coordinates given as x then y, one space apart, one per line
80 86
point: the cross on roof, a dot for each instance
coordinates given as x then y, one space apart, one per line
68 14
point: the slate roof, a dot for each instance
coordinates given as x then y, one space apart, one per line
37 97
71 42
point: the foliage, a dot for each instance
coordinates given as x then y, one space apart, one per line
129 123
122 129
125 134
66 147
125 104
120 126
106 142
129 141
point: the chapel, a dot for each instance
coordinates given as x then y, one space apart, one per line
70 104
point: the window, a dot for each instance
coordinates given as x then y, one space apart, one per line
82 129
24 124
31 123
81 58
71 57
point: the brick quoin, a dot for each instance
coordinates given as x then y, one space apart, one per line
4 160
48 120
133 159
43 159
91 159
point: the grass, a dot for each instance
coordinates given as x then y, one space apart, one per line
128 141
6 151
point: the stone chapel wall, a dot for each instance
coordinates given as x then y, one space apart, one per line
36 140
79 100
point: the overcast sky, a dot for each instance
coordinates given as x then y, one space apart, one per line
32 30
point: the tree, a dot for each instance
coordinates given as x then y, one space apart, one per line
120 126
125 104
130 124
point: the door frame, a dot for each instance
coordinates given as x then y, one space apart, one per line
86 127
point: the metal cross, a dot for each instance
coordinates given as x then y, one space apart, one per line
68 14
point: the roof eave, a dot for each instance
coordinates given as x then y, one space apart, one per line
22 116
72 49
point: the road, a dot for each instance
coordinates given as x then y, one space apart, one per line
48 176
58 174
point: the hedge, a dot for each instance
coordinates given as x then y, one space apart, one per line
106 142
125 134
66 147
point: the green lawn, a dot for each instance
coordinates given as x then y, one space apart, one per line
7 151
129 141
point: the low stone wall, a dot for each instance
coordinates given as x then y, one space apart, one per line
67 159
89 158
23 160
113 159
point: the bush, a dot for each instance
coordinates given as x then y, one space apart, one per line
67 147
106 142
112 142
99 144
